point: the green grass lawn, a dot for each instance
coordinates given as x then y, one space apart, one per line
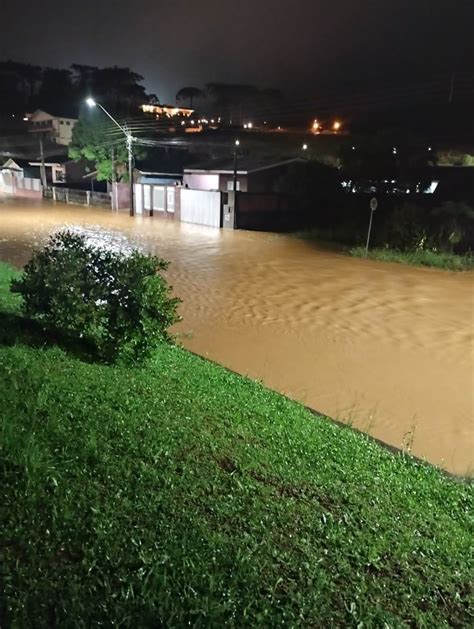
180 494
424 257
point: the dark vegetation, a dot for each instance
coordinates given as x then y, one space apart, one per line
177 493
117 304
26 87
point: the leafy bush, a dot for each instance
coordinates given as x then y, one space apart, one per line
119 303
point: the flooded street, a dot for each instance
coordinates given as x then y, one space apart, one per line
387 347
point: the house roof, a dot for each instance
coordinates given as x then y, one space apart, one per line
245 165
161 161
67 112
52 159
21 163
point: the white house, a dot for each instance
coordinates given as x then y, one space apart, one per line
58 128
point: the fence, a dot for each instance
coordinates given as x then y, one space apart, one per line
78 197
267 212
157 200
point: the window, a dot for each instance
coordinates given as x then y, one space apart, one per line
61 122
68 123
230 185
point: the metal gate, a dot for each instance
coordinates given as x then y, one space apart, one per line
201 207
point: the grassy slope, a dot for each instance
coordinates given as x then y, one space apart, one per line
440 260
182 493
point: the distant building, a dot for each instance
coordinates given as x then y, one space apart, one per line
55 167
167 111
57 128
253 175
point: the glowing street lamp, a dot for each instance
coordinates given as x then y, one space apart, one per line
316 126
236 146
336 126
92 103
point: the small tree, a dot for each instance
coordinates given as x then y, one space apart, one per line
119 303
92 140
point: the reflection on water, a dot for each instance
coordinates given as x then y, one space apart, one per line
386 347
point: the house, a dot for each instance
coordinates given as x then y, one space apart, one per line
253 175
58 128
55 167
167 111
21 168
19 177
160 166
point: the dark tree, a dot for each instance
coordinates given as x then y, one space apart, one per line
18 86
57 91
189 93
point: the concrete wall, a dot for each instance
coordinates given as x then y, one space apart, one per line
201 181
15 184
226 183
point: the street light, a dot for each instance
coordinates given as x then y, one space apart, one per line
236 145
336 126
129 137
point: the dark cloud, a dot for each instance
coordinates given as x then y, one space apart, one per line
297 45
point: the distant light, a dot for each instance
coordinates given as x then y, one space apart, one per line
264 122
353 148
279 128
336 126
250 125
305 147
25 118
212 120
315 125
429 148
237 143
91 102
192 121
182 123
394 150
245 125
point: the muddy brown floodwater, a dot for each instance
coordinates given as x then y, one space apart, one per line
386 347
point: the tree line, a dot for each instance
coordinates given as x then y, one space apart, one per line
26 87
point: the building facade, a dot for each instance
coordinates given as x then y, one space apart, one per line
58 128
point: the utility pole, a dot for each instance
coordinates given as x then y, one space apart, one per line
235 169
44 183
130 172
129 138
114 179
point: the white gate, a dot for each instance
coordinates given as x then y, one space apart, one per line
7 182
202 207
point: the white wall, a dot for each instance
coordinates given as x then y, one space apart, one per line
65 127
201 181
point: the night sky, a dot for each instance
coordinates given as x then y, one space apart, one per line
299 46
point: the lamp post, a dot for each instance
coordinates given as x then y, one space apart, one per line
236 146
129 138
373 207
